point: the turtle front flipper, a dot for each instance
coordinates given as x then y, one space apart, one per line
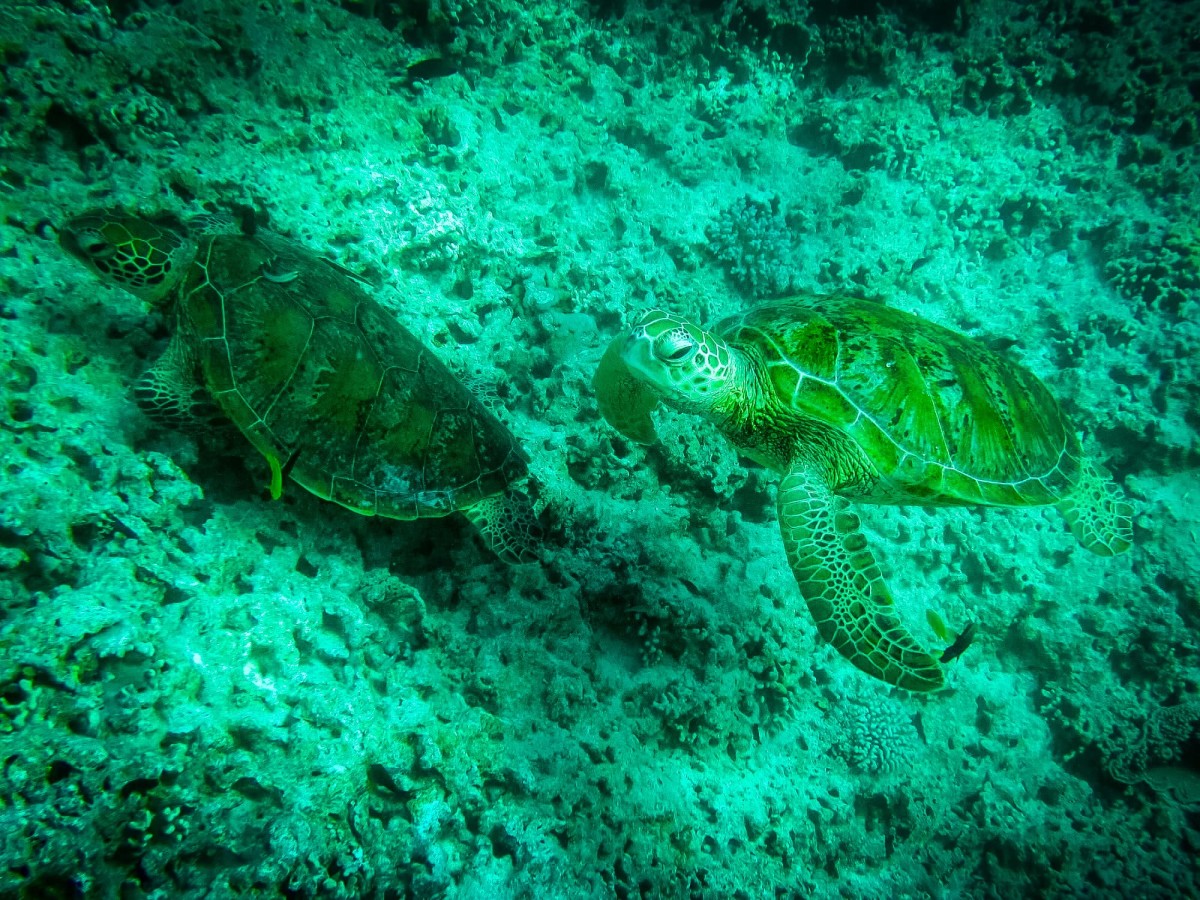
1098 514
843 587
170 393
624 399
509 525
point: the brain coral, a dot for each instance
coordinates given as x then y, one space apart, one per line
876 738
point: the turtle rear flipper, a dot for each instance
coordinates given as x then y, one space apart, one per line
170 393
1098 514
624 400
509 525
843 587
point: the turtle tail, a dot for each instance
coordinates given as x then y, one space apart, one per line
1098 513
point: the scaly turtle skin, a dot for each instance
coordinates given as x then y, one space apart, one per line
318 376
850 400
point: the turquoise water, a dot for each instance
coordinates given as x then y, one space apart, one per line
205 692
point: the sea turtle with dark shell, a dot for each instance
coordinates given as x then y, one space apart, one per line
851 400
317 374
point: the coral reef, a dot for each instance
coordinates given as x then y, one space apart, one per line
207 693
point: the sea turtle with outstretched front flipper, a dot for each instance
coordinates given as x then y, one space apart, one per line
849 399
320 378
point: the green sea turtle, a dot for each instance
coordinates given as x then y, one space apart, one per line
848 399
319 377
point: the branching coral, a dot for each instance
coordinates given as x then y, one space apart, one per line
750 238
1162 738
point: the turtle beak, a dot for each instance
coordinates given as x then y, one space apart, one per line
638 355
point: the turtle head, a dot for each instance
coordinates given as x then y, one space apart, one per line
143 256
687 366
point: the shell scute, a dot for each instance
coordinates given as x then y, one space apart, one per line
800 338
334 380
317 374
378 327
825 401
879 446
935 411
784 378
956 484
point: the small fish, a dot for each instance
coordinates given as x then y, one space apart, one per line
938 624
276 485
291 462
961 643
432 67
280 472
1001 343
350 273
279 277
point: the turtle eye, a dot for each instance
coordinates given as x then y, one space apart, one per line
674 348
